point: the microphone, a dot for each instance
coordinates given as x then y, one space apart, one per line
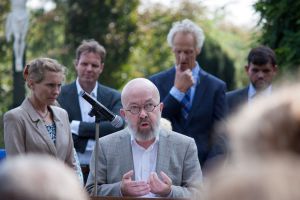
115 120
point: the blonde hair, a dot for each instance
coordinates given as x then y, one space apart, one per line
37 68
270 126
273 179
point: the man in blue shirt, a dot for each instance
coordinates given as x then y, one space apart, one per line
261 69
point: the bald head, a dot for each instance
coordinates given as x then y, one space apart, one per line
136 87
142 110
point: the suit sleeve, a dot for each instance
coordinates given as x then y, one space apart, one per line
191 175
172 107
103 189
218 140
14 134
220 106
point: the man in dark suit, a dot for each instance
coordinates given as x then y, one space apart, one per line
89 65
261 69
193 99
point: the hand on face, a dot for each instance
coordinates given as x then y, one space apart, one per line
160 187
133 188
183 79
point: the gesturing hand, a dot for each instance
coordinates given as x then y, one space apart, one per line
133 188
160 187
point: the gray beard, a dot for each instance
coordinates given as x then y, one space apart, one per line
144 137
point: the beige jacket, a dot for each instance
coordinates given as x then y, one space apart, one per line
25 132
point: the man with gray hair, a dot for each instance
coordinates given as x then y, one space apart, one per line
193 99
144 159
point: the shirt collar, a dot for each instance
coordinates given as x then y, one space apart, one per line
252 91
196 70
79 89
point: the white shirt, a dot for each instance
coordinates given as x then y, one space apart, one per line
252 92
144 161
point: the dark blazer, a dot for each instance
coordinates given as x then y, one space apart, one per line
236 98
68 99
209 106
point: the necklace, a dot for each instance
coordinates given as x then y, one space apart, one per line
43 116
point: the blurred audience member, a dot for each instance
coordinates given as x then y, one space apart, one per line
36 177
271 126
265 149
272 179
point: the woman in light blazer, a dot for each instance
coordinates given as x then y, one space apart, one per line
36 126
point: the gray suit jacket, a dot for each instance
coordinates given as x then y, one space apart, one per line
24 132
177 157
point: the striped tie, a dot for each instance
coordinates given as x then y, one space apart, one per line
186 104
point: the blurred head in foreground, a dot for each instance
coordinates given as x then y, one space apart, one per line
274 179
269 127
36 177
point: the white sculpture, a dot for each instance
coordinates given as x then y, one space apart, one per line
17 24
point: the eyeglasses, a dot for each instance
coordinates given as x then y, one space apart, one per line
149 107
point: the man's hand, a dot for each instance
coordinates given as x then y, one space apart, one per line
133 188
160 187
183 79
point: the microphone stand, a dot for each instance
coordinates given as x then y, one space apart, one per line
97 115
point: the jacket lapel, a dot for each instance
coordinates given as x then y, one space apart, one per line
199 93
39 125
60 134
163 154
244 95
123 146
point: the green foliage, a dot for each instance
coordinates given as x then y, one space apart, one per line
45 36
153 54
213 60
110 22
5 68
280 21
5 62
135 41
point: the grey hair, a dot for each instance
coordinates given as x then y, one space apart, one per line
186 26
